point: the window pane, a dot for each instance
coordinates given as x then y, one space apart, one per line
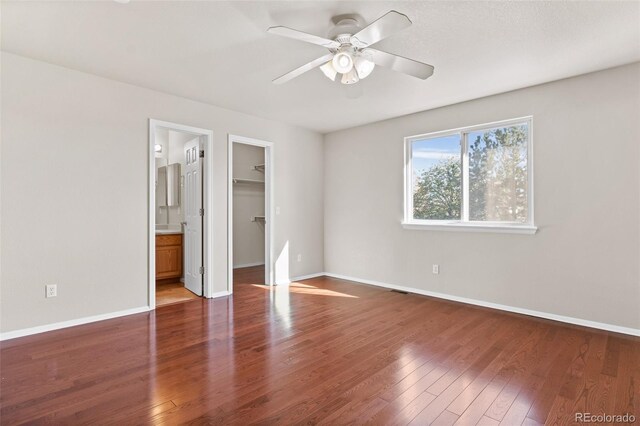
436 178
498 174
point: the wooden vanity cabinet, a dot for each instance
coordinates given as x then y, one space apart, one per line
168 256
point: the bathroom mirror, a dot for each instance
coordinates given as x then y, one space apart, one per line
161 187
168 186
173 185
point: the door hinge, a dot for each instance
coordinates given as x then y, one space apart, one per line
202 153
201 212
202 270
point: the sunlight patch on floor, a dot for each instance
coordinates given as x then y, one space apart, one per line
299 288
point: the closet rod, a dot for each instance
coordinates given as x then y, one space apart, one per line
236 180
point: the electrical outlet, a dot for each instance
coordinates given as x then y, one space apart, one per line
277 210
435 269
51 290
299 258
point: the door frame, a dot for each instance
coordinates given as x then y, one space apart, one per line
206 140
268 208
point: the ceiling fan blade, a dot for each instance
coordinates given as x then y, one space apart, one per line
400 64
301 70
383 27
299 35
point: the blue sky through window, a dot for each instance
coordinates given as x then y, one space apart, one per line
428 152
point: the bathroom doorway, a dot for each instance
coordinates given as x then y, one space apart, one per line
180 227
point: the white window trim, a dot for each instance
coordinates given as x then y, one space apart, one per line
409 222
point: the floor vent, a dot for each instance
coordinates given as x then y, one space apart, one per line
400 291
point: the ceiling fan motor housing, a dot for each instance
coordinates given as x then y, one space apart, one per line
344 29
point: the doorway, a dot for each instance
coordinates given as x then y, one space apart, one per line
250 205
180 231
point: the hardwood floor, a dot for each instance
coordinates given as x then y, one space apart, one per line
248 275
168 292
322 351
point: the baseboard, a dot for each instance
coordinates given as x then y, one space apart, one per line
71 323
301 278
247 265
545 315
561 318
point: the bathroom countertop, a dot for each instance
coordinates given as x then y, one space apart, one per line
167 231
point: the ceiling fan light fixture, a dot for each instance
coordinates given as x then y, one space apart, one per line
349 49
363 66
351 77
328 70
342 62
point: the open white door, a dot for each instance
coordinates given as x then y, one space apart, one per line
194 215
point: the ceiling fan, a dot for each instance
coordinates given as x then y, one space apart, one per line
350 52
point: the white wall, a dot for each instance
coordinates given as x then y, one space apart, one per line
248 201
74 173
584 260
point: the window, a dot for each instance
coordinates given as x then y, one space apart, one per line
476 178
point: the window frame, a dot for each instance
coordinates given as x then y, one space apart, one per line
464 224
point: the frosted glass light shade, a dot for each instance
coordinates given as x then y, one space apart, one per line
363 66
342 62
351 77
328 70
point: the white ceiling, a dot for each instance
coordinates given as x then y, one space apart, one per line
220 53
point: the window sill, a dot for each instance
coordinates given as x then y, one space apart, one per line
471 227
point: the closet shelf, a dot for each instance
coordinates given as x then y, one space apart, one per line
254 181
258 219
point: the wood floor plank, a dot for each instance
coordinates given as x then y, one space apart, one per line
580 386
319 351
627 382
412 409
446 418
172 292
522 362
557 376
475 411
487 421
530 422
483 369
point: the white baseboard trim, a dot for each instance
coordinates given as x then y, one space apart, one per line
561 318
70 323
301 278
308 277
248 265
545 315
